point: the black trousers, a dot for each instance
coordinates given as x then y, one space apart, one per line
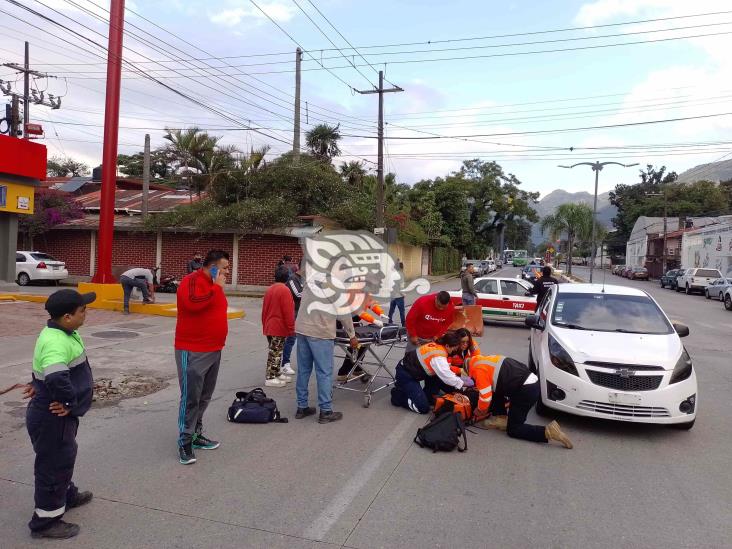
54 442
522 400
348 363
433 385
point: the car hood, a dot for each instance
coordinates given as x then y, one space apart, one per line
651 350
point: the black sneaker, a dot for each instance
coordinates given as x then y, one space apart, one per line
304 412
329 416
82 498
200 442
186 454
58 530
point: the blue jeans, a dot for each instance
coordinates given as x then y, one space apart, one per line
397 303
468 299
289 346
313 352
128 284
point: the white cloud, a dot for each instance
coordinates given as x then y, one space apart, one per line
240 11
604 11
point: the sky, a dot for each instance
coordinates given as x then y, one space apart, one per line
478 80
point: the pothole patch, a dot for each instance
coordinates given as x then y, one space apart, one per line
110 391
115 334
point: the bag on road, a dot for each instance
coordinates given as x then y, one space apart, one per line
254 407
443 434
458 403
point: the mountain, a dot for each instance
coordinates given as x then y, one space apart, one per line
714 171
547 205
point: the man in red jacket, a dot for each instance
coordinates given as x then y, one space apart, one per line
278 323
429 318
200 334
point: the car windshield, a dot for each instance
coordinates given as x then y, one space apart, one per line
42 257
709 273
610 313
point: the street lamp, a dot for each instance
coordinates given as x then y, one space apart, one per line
596 167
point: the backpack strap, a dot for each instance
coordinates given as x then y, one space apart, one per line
461 433
278 418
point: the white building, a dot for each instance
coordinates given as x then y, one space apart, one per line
636 248
709 246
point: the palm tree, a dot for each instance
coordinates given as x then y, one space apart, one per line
353 173
322 141
189 147
573 220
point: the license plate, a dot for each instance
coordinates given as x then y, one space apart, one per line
623 398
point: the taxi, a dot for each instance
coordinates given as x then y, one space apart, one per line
501 298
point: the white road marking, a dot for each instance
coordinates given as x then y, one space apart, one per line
707 326
330 515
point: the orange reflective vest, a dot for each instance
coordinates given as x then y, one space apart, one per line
427 353
484 371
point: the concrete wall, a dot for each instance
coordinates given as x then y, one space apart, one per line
411 256
708 247
635 252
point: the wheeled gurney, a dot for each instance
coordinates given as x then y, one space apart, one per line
370 338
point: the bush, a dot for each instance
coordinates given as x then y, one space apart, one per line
445 260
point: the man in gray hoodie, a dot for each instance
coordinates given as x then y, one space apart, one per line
466 283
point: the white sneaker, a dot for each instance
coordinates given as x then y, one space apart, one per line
287 370
274 382
285 378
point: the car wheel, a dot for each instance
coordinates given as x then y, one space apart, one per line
688 291
706 294
676 288
662 284
728 302
23 279
684 426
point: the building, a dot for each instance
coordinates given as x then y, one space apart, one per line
709 246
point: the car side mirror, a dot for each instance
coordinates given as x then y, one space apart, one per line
533 321
681 329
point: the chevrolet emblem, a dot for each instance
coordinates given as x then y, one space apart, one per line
625 373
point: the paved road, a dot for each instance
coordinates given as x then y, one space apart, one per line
361 482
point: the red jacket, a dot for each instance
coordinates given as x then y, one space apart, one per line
426 321
278 311
202 324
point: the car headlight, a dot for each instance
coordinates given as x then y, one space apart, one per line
683 368
560 357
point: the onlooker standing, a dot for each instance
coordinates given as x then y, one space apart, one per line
295 286
467 284
429 318
543 284
398 302
200 334
287 262
142 279
278 323
195 263
316 331
62 392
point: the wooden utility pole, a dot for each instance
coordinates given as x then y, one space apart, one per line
296 131
26 91
146 176
380 162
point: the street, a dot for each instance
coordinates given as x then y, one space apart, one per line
362 482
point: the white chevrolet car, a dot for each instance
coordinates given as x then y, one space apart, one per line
32 266
611 352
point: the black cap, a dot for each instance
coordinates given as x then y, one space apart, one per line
67 301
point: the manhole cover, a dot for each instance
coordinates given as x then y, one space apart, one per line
115 334
135 326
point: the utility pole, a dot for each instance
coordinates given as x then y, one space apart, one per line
597 168
26 91
146 176
380 163
296 134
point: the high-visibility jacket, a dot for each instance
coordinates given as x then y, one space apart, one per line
457 360
496 377
427 353
366 316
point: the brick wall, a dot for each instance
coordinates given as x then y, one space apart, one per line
134 249
178 250
69 245
258 256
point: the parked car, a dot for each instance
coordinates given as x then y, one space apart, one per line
716 288
638 273
491 266
674 283
628 269
667 278
728 299
607 351
501 298
530 272
539 261
618 269
695 280
32 266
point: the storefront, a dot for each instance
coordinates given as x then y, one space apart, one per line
22 166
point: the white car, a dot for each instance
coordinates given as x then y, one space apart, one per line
31 266
611 352
696 280
501 298
491 266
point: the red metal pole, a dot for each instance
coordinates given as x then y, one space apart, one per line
103 273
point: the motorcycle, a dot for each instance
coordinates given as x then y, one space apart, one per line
166 284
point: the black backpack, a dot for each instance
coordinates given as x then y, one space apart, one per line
443 433
254 407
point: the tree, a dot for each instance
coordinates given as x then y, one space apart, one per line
188 148
64 166
234 184
51 208
572 220
322 141
131 165
353 173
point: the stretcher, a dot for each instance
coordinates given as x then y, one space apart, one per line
370 338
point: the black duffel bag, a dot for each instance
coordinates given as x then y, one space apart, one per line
443 434
254 407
